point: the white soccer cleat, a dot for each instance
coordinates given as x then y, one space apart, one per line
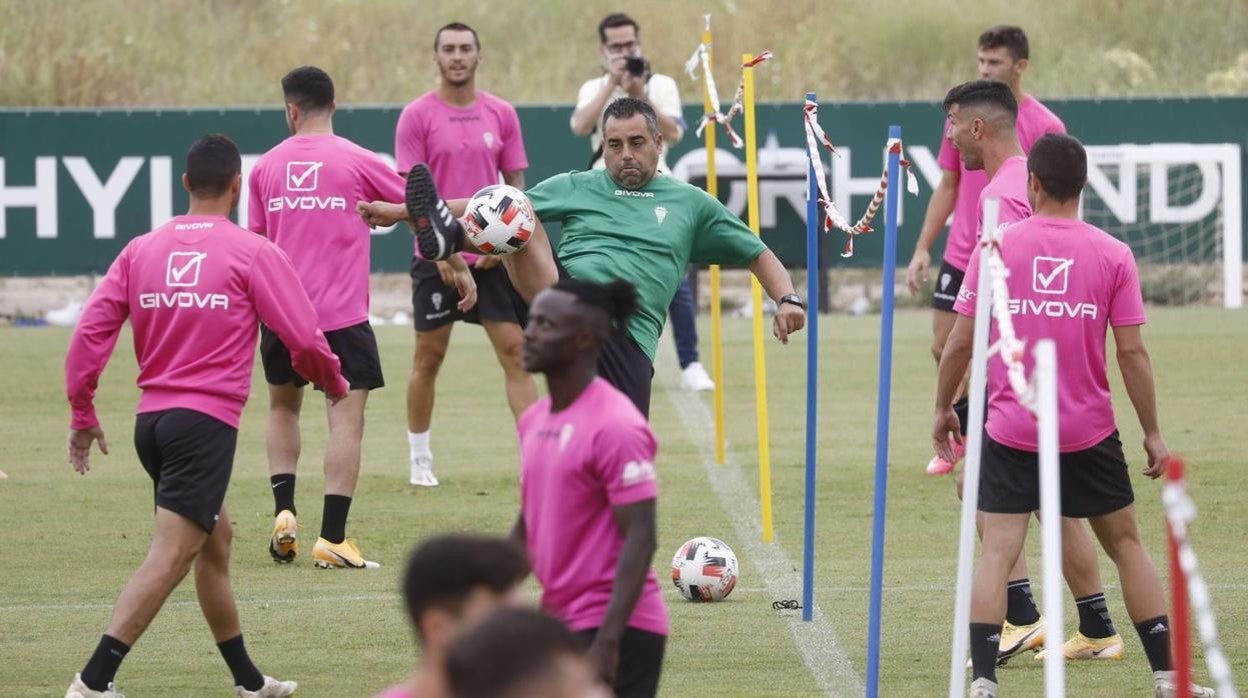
983 688
272 688
78 689
422 472
694 379
1166 686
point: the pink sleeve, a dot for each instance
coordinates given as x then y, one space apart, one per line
1011 210
284 307
383 183
948 157
255 202
965 304
409 142
94 339
513 159
624 462
1126 305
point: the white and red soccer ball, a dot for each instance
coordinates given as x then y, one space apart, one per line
499 220
704 569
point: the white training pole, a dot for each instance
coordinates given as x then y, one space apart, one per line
970 471
1050 517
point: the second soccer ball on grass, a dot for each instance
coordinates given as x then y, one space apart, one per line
705 569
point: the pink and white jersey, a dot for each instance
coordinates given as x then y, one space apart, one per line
575 466
1034 120
466 148
1009 187
194 290
302 197
1069 281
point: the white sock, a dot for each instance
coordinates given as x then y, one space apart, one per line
418 444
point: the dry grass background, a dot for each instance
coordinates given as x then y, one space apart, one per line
215 52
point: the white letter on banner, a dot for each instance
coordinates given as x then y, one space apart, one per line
41 197
249 161
104 198
161 187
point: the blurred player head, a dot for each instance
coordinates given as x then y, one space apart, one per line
571 321
213 170
309 94
1003 54
519 653
981 114
1057 170
454 580
631 142
457 51
620 38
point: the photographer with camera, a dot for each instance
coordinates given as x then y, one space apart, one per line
628 74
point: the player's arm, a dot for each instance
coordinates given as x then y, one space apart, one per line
775 280
1137 376
284 307
953 364
590 104
636 522
519 534
92 344
939 207
514 179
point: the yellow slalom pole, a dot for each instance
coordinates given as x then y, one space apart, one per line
717 327
760 358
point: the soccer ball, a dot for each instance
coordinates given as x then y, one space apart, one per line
704 569
499 220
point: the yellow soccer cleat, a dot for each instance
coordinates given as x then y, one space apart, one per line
283 546
344 555
1016 639
1081 646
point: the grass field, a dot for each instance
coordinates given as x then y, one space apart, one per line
73 541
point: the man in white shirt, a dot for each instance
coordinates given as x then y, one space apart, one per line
628 74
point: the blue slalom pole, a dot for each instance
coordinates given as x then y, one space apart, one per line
812 381
891 200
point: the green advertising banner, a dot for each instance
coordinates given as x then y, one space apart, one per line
75 185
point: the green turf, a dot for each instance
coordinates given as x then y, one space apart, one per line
73 541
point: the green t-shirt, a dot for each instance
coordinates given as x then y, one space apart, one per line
647 236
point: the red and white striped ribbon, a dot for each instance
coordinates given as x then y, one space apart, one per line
701 57
1008 344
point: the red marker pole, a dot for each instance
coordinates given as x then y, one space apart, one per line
1180 628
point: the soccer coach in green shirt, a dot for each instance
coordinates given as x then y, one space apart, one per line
625 222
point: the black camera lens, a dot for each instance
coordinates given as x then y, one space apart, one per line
635 66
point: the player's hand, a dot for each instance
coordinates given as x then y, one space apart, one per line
463 282
79 447
604 656
1158 456
381 214
916 273
945 427
447 272
487 262
789 319
617 69
634 85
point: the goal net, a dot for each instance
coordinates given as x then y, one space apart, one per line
1178 206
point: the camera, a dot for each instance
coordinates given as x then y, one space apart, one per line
637 67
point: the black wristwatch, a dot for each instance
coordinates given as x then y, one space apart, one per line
794 299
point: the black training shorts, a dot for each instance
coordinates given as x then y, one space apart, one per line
434 303
948 283
641 662
1094 481
189 457
355 346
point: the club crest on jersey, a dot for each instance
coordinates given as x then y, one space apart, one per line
489 140
660 213
565 435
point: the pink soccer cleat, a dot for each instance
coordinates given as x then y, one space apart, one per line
940 466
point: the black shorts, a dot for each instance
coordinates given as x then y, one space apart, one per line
948 283
641 662
355 346
1094 481
434 303
189 457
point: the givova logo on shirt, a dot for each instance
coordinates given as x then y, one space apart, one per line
304 176
182 270
1051 276
637 472
635 194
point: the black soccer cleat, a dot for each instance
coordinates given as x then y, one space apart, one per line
438 234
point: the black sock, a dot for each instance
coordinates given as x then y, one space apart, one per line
334 520
245 673
985 642
1020 607
283 493
962 408
1094 620
1155 636
101 668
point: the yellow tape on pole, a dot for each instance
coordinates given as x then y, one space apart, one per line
760 358
717 327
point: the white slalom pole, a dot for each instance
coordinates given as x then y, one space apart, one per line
970 471
1050 517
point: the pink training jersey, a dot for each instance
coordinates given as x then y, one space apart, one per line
1069 281
303 194
466 148
1009 187
575 466
194 290
1034 120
